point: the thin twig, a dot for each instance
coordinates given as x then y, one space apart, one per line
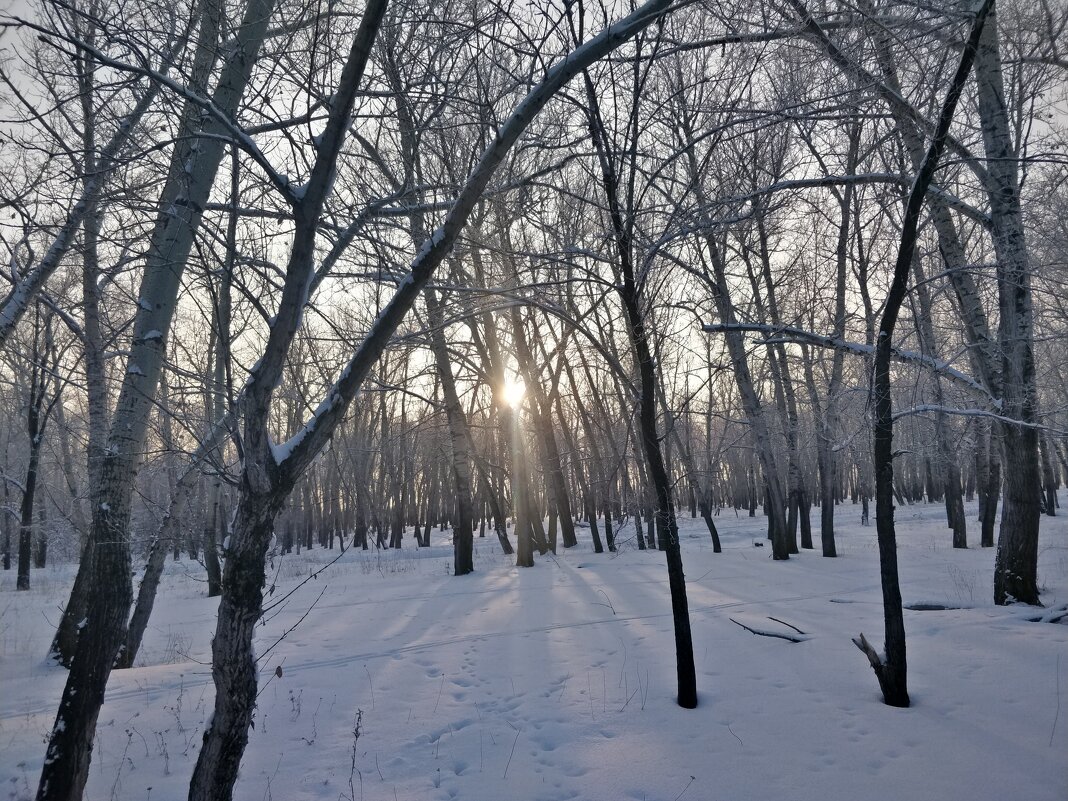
735 736
687 787
372 686
1056 714
516 740
292 628
440 688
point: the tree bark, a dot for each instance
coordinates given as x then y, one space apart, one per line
1016 563
629 294
192 171
891 669
460 437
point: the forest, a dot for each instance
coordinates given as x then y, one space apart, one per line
616 293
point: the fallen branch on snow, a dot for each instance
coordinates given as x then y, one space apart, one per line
799 637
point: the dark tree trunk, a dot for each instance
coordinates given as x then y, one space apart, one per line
233 664
26 520
34 428
210 543
460 438
609 535
828 473
891 668
1049 478
500 524
65 641
804 511
40 556
99 635
706 513
666 524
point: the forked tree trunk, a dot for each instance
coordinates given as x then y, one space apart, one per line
541 412
702 492
586 487
778 530
496 508
946 459
738 353
786 398
169 536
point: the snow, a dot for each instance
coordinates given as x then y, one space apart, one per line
281 451
431 242
557 682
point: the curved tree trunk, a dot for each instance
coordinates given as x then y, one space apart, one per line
891 667
629 293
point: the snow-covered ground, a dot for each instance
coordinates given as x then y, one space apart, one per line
557 682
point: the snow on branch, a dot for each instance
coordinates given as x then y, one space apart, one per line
763 630
930 407
775 334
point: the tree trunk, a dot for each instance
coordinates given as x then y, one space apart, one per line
629 293
460 437
210 541
1049 478
192 171
1016 564
26 514
233 663
991 494
891 667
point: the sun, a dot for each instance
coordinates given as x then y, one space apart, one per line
513 392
